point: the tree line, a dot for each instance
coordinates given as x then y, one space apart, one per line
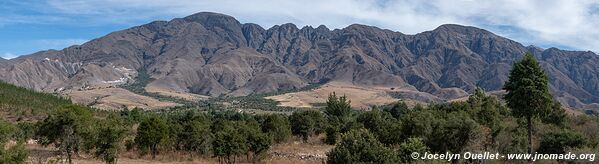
229 136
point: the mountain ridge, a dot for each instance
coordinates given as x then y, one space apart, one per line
214 54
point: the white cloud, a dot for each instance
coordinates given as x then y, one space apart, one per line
542 22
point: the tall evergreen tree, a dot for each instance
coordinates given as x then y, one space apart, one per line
528 92
338 111
337 106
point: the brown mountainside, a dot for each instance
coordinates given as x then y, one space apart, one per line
214 54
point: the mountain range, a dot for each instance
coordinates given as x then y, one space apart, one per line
210 54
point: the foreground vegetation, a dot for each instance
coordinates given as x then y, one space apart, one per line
381 135
386 135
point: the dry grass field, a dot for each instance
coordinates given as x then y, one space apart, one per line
182 95
116 98
360 96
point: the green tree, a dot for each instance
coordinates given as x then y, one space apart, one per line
557 116
68 129
197 137
381 124
419 123
397 109
110 138
332 135
258 142
228 142
487 111
134 115
175 122
277 126
409 146
151 131
528 92
339 117
360 146
307 123
337 106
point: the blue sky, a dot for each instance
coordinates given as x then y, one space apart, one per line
28 26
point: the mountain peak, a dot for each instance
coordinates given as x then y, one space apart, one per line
461 29
202 15
359 26
363 28
289 26
454 27
210 19
322 28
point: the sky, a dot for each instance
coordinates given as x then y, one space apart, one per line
28 26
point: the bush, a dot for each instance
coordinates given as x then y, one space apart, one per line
277 126
14 154
456 132
381 124
360 146
419 123
409 146
397 109
25 131
558 142
307 123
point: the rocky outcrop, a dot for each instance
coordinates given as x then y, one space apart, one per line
214 54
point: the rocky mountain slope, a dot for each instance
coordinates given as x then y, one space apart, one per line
3 62
214 54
